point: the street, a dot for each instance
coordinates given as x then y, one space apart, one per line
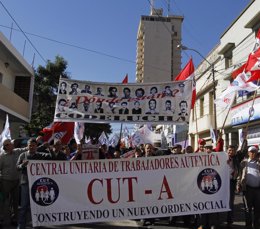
159 223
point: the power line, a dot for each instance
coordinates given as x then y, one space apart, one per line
98 52
85 49
23 32
187 28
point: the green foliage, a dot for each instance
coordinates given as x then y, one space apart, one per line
45 92
45 95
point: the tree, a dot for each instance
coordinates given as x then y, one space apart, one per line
45 95
45 92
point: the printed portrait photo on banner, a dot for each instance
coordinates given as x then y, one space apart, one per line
139 92
86 89
63 88
137 109
152 107
126 93
153 91
74 89
112 92
183 115
99 91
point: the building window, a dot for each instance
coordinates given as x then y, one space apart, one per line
228 62
228 59
201 107
22 87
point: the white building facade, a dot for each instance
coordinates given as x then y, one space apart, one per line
16 87
235 45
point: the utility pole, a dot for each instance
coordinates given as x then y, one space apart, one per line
182 47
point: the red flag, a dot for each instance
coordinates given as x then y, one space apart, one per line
255 75
188 73
239 70
125 80
54 129
253 66
253 61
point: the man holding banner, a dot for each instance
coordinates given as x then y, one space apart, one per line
22 163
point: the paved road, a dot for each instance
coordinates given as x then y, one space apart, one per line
159 223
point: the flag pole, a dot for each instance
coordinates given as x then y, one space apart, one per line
196 122
196 125
225 119
120 135
187 135
196 118
125 81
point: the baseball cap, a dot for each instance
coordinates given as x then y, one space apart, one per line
252 149
202 141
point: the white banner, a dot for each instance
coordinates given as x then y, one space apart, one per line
71 192
134 103
240 113
144 135
90 152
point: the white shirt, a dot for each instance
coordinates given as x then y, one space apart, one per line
253 174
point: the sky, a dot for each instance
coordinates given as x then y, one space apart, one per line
98 37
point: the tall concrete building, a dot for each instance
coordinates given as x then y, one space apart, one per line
158 59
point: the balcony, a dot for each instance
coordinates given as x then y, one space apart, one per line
14 103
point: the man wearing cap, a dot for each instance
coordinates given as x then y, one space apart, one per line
10 179
201 143
249 182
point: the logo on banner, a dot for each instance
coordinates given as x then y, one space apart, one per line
209 181
44 191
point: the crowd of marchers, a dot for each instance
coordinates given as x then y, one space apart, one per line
244 168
